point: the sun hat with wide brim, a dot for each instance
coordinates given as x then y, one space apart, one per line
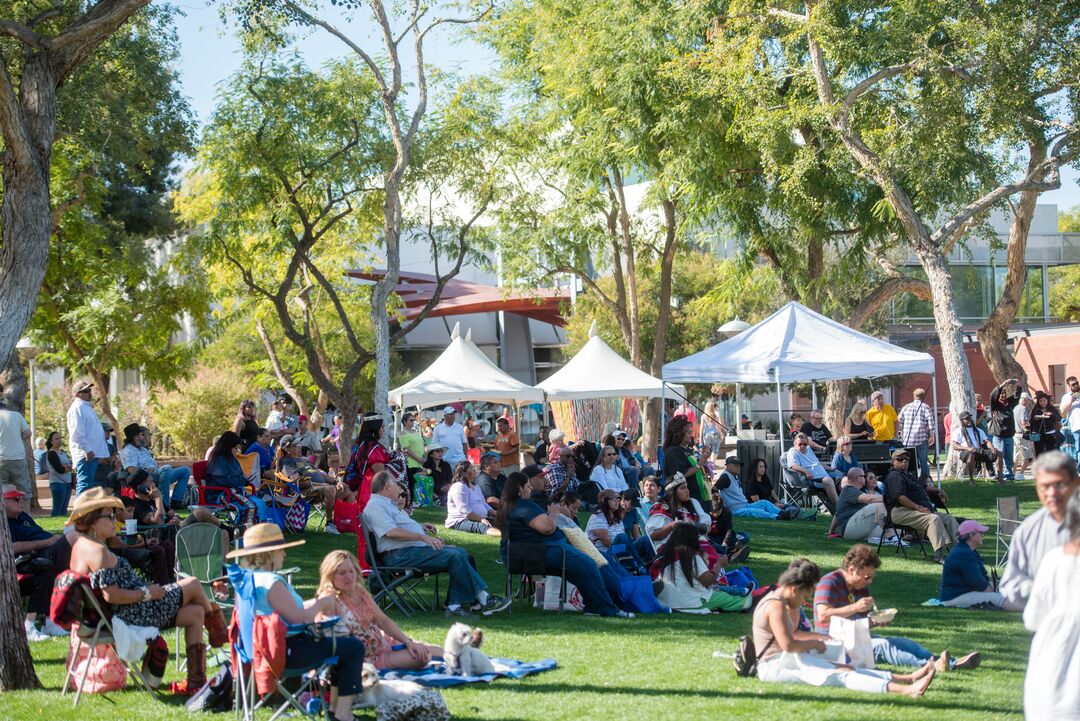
263 537
431 449
91 500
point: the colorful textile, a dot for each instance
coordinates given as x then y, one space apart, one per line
435 675
585 419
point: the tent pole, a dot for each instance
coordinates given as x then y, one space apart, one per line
780 414
813 396
397 428
737 425
937 441
663 414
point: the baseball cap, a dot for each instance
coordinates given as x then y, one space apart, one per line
733 460
898 453
301 418
968 527
287 441
621 434
13 492
448 410
532 470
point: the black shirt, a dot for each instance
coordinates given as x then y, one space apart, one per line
518 528
250 432
818 434
900 483
143 509
863 427
762 488
1003 411
491 486
441 475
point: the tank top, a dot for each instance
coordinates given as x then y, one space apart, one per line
264 581
863 427
764 638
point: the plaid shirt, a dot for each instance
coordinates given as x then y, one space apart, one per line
557 473
832 591
915 423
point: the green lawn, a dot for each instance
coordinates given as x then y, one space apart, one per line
661 667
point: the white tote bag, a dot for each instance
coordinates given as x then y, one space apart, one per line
855 635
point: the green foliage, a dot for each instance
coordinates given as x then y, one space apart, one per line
201 407
1065 280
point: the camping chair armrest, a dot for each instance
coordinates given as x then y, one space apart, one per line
228 493
298 629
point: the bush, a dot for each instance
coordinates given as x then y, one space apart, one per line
201 408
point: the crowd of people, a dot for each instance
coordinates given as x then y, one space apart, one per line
669 522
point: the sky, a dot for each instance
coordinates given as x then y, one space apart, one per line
209 54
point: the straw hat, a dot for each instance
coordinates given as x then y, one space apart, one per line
262 537
91 500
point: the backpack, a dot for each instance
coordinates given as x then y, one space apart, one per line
746 656
42 463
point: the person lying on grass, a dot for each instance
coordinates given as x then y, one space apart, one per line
361 618
845 593
788 655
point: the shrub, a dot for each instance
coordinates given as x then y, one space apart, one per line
201 408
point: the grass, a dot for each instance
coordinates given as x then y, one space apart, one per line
661 667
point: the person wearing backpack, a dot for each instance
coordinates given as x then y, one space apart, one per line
788 655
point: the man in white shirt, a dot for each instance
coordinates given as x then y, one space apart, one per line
305 437
135 455
1070 414
14 432
802 460
974 447
277 422
452 435
1055 481
86 437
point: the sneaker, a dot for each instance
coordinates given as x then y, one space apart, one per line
496 604
969 662
331 529
874 540
52 629
33 635
459 611
623 614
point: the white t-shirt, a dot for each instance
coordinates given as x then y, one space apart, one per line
678 594
973 436
1072 417
611 478
453 437
597 522
12 426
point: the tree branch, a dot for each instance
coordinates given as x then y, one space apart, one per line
788 15
885 291
22 33
275 364
865 85
82 38
12 124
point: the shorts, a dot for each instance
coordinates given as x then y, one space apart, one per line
1025 446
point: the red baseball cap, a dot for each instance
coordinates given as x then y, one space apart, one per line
13 492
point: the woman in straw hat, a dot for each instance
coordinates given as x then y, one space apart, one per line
182 604
264 555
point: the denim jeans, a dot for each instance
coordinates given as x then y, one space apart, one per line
1004 445
61 494
583 572
922 458
166 477
898 651
303 652
623 544
85 474
465 582
758 509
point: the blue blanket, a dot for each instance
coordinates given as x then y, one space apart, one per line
435 674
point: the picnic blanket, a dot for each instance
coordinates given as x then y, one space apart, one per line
435 675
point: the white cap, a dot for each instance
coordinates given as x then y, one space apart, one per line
448 410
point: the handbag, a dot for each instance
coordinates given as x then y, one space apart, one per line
296 517
746 656
994 427
855 635
346 517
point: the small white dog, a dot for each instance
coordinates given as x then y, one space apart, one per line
395 700
462 653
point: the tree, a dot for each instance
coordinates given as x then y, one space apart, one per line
1064 287
923 98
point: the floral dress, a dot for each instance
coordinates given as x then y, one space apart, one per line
159 614
357 619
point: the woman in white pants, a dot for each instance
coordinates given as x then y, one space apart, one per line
787 655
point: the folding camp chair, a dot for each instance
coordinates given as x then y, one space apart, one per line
310 678
94 626
396 585
529 560
199 555
795 488
916 537
1008 520
280 485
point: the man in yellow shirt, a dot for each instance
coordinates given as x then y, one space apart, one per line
882 417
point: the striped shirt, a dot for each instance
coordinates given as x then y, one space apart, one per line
915 423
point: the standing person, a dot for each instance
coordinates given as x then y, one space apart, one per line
1069 408
470 430
59 465
508 446
680 458
451 435
915 425
1052 684
1001 426
412 445
335 437
245 425
1045 424
135 455
856 425
508 417
1025 451
881 417
368 458
964 581
711 428
686 410
86 438
1042 531
14 432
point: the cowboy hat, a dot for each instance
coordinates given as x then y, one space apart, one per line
91 500
263 537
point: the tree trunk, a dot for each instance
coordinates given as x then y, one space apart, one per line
994 332
950 331
279 372
348 411
835 408
651 425
101 385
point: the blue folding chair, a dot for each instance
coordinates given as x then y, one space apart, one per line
311 678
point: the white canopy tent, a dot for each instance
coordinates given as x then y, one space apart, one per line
597 371
793 345
463 373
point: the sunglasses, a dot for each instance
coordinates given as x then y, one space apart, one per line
609 454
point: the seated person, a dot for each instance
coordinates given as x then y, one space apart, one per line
561 474
722 534
264 555
223 469
632 468
361 618
730 488
569 508
442 475
689 584
860 512
540 450
678 505
404 542
974 447
784 651
908 504
650 491
261 447
148 507
522 521
30 540
817 433
634 527
795 424
607 475
314 485
964 581
491 479
845 593
844 459
135 455
156 558
605 529
466 509
801 459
